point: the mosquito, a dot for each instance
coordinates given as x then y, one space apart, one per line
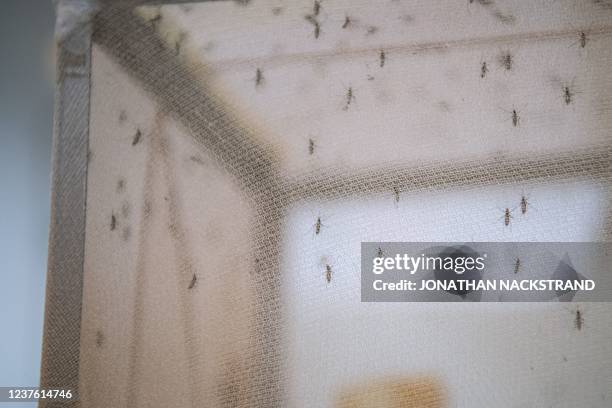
506 60
372 30
505 18
515 116
311 146
524 204
517 266
507 216
484 69
99 338
347 22
120 185
192 284
317 26
316 8
578 319
318 225
350 97
259 77
137 137
582 39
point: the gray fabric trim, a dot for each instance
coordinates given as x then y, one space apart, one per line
61 342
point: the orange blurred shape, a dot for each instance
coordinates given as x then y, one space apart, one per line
414 392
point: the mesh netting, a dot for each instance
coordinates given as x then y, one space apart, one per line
240 152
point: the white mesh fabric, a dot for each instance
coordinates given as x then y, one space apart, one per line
220 133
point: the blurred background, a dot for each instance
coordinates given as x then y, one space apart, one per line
26 128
